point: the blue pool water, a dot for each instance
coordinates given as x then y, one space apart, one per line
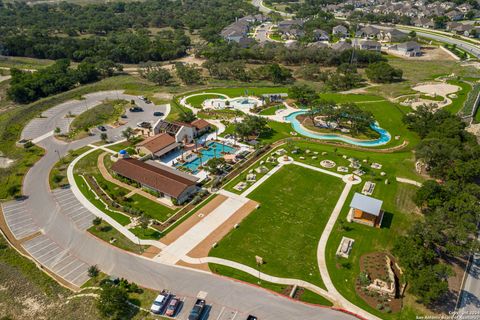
384 134
215 150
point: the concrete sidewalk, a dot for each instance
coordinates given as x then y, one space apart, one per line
197 233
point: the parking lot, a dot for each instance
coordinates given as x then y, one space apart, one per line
18 219
49 254
212 311
72 208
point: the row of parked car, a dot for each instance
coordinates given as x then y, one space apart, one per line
169 305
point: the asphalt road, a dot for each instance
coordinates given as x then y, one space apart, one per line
56 225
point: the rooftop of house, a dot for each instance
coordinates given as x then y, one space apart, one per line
409 45
366 204
169 127
157 142
165 181
200 124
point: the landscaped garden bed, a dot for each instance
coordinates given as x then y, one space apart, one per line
380 282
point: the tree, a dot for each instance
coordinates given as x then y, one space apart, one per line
155 73
279 74
382 72
93 271
103 136
128 133
113 302
304 94
215 166
188 73
187 116
97 221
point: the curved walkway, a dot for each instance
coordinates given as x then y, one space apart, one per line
60 229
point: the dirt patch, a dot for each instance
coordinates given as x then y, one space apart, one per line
375 266
151 252
438 89
202 249
193 220
428 54
5 162
163 96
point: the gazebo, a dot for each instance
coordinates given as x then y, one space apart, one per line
366 210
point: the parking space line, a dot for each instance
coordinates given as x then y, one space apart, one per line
9 211
42 248
23 226
19 219
66 257
67 265
74 216
54 257
49 252
20 225
81 274
79 266
36 242
221 312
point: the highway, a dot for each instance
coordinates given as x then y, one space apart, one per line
55 224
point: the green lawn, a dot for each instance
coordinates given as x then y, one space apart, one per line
151 208
270 111
82 185
146 233
104 113
106 232
58 175
197 101
344 272
295 205
458 103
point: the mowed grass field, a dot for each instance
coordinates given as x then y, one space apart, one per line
295 205
399 216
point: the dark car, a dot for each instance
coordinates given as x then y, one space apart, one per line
197 310
158 114
250 317
172 307
144 124
102 128
136 109
123 116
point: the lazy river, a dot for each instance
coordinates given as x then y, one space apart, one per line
296 125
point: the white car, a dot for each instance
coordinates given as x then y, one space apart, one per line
159 303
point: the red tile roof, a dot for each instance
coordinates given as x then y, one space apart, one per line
164 181
157 142
200 124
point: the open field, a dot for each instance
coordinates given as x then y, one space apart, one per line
295 205
458 103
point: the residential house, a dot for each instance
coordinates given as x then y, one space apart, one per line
454 15
464 8
367 32
392 35
424 23
463 29
341 46
320 35
157 146
409 48
167 182
236 31
340 31
370 45
366 210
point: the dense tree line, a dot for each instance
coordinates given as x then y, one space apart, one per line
117 31
449 203
124 47
28 86
221 52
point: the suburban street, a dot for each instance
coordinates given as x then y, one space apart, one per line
78 247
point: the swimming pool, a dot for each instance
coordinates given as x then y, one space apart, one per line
214 150
384 134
